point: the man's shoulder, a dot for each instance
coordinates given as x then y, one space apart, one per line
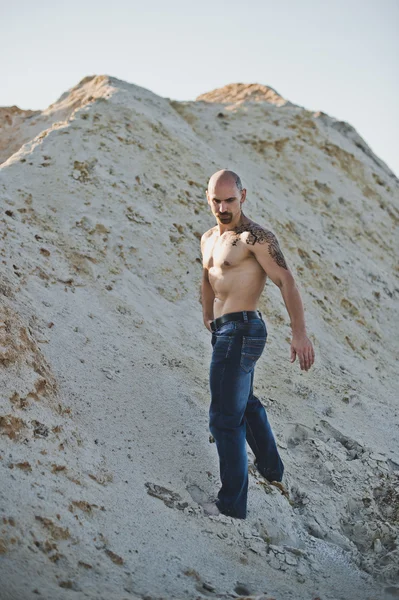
208 234
252 232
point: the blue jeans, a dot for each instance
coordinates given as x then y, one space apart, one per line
236 415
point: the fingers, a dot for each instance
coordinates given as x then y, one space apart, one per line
309 361
305 355
306 359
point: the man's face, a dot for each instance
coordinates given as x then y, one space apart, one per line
224 198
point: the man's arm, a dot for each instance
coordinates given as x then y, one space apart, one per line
208 298
207 293
268 253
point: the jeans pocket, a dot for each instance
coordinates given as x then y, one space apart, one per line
252 348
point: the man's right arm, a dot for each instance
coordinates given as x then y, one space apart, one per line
208 298
207 293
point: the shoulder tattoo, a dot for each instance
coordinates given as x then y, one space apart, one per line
262 236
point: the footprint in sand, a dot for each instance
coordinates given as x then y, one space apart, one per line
353 448
168 497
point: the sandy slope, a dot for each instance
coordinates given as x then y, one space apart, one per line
104 450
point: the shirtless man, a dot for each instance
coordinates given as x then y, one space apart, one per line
238 255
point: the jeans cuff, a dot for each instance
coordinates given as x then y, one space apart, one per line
229 513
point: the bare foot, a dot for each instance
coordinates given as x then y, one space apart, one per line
281 487
276 484
210 508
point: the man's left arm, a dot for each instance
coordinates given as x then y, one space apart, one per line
268 253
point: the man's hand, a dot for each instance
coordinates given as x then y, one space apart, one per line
302 346
208 325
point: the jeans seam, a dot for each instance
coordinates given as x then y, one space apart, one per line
253 437
220 383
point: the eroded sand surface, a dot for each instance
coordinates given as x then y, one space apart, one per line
105 458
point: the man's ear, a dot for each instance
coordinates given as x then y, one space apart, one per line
243 195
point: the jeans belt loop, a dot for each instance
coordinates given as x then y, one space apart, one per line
244 312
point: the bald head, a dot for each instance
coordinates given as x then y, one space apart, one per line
224 176
225 196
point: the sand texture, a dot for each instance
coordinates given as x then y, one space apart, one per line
105 459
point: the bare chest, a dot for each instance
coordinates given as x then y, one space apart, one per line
225 252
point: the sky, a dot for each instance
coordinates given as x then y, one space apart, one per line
340 57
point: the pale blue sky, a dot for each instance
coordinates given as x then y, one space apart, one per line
341 57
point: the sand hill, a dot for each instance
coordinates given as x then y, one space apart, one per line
105 457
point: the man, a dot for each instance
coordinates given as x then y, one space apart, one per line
238 255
